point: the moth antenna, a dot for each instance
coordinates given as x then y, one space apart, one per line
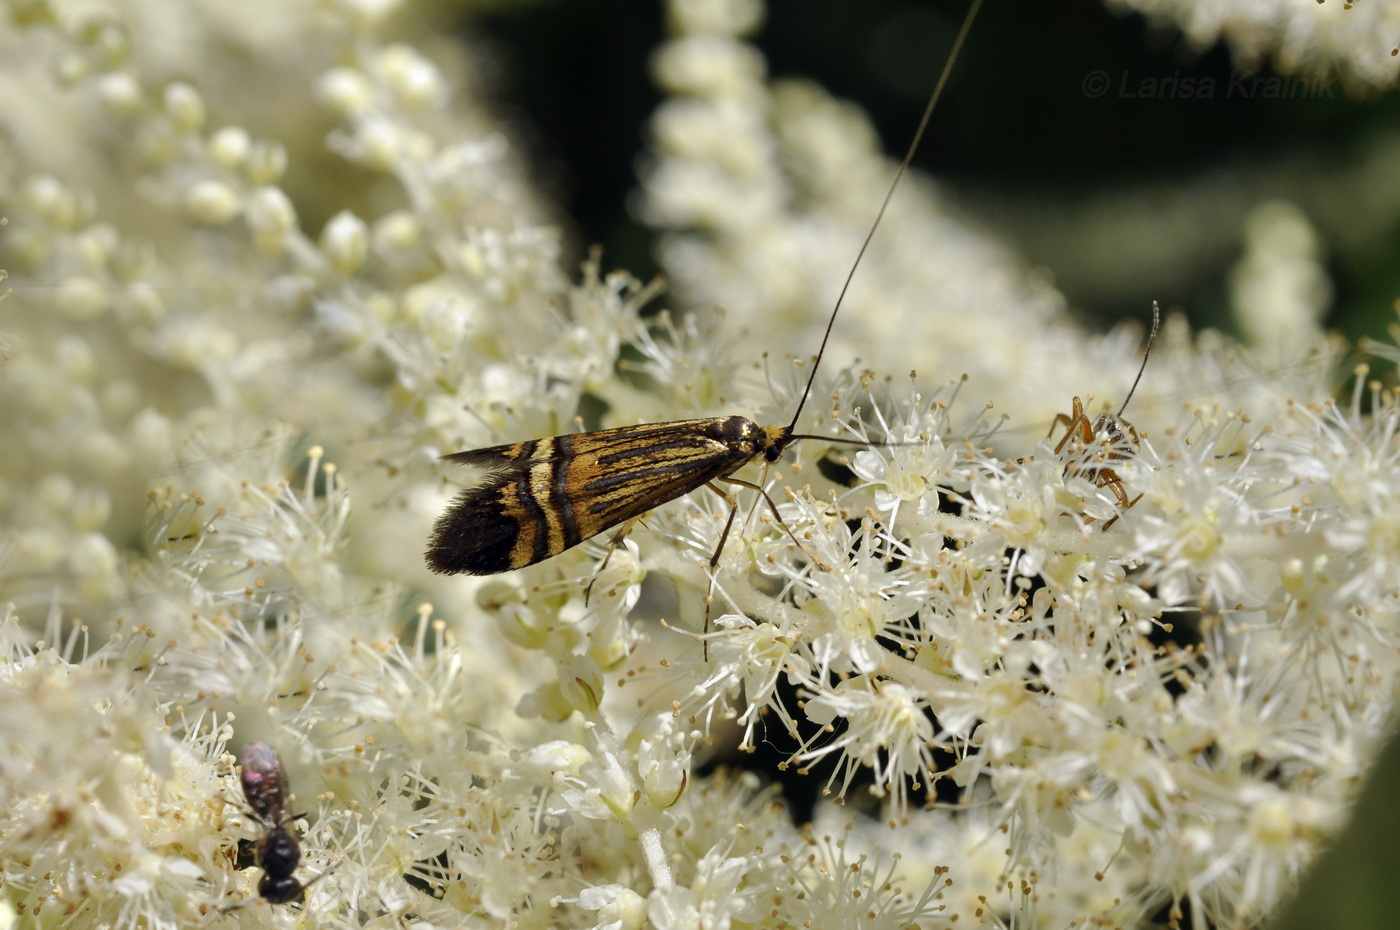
880 215
1151 338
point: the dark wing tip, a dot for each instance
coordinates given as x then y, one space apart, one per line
474 536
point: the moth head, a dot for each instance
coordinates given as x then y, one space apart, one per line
774 442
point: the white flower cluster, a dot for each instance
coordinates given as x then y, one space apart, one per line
1356 41
1134 674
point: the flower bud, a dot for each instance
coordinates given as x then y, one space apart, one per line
119 93
380 144
212 203
184 106
228 147
582 685
345 90
267 162
345 241
271 217
413 80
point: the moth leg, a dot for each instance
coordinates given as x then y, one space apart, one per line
724 537
616 541
714 559
771 506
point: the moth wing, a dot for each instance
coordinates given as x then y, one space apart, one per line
511 458
547 495
476 534
644 467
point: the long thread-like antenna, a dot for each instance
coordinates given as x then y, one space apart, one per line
1151 338
908 157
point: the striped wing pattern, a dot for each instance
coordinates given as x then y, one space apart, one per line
547 495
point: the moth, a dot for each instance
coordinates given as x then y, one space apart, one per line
548 495
544 496
1116 438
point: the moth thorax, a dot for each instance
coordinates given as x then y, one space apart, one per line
739 433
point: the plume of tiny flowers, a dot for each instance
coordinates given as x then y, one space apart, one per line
1022 633
1054 683
1353 41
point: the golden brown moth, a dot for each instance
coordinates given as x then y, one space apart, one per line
547 495
544 496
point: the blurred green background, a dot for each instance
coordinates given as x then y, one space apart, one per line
1047 136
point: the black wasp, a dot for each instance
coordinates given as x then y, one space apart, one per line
278 854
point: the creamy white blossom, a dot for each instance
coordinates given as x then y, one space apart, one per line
1353 40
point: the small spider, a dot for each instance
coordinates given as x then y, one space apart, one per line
1116 438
